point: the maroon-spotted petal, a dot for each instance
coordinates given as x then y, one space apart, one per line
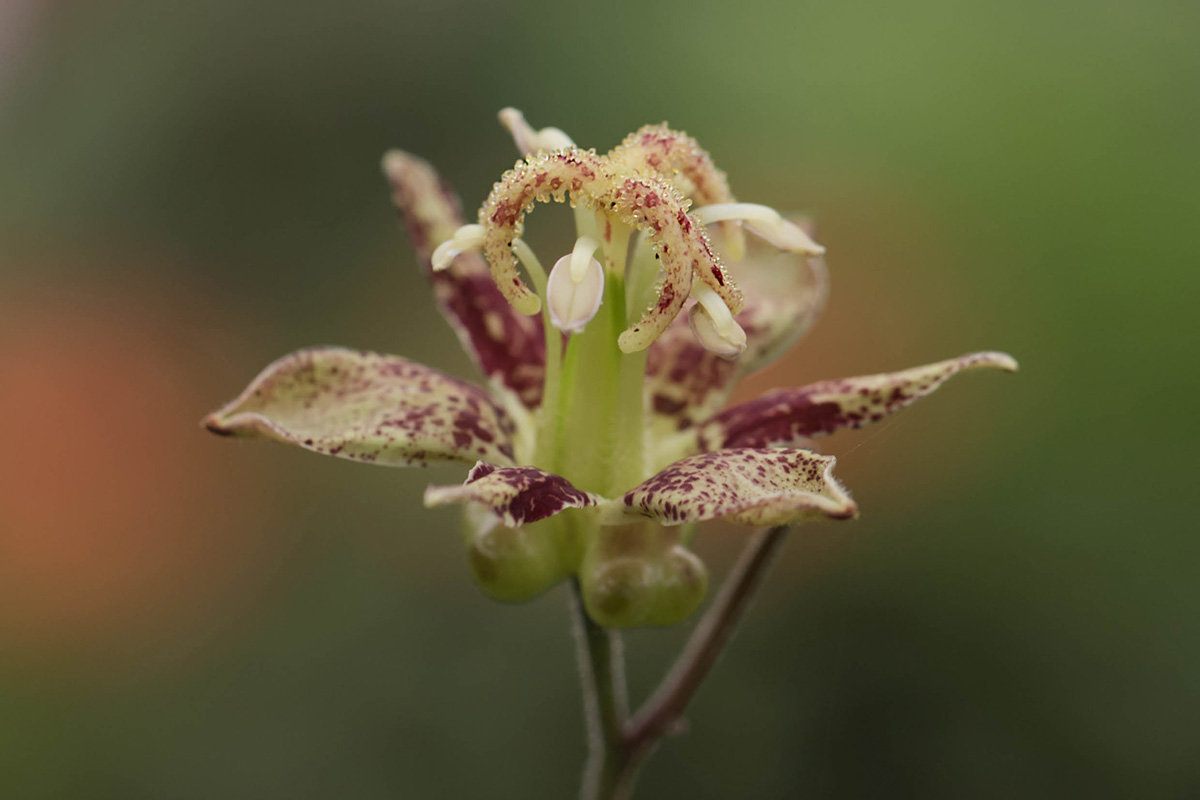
747 486
517 495
368 407
686 384
788 415
504 344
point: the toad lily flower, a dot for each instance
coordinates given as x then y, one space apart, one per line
602 438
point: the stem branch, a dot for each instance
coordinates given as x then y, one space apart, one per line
618 753
668 702
605 704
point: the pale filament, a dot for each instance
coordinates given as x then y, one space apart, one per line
720 314
529 140
763 221
467 239
581 257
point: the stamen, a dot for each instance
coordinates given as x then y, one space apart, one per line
585 246
467 239
574 302
529 140
718 312
764 222
751 212
649 204
532 264
708 332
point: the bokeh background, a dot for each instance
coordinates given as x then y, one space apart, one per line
188 190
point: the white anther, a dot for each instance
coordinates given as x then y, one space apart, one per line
444 255
573 303
786 236
467 239
554 139
719 313
529 140
581 257
720 212
763 221
729 345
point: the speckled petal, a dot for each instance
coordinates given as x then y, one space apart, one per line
517 495
368 407
507 346
647 203
686 383
746 486
788 415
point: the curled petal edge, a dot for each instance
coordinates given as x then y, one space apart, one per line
749 486
517 495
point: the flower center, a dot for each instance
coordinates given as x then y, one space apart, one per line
589 426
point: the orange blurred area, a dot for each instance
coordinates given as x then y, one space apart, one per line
113 515
191 190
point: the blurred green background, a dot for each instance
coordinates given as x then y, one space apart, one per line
188 190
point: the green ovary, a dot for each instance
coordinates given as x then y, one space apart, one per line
515 564
639 574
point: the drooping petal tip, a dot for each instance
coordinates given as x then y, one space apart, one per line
990 358
213 424
395 163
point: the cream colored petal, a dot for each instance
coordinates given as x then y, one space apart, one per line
507 347
789 415
368 407
747 486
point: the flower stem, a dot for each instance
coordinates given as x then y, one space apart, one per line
664 708
605 702
618 748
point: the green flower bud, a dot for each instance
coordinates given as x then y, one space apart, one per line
512 564
639 575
